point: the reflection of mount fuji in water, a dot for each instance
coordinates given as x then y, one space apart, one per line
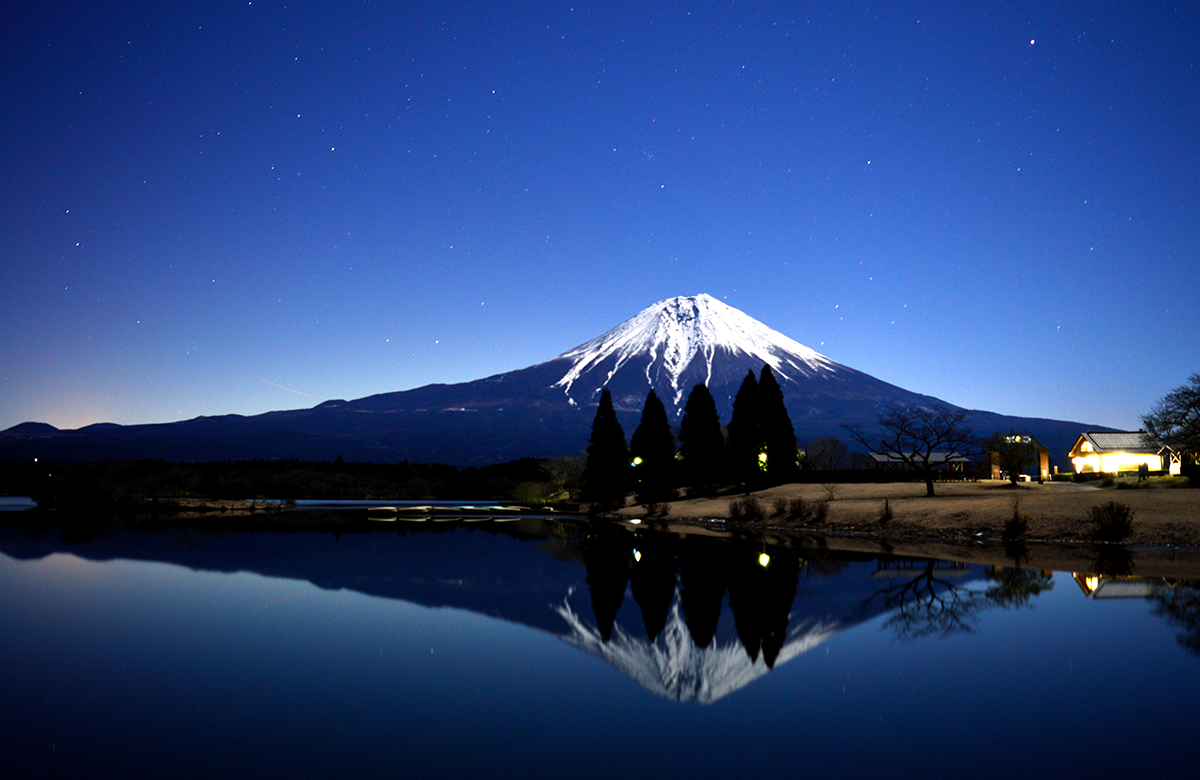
694 619
691 619
674 667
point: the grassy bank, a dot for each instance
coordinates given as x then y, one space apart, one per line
1160 513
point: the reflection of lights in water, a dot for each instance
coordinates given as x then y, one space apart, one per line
637 555
763 560
1092 583
637 461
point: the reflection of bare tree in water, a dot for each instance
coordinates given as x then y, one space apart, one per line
1180 607
928 603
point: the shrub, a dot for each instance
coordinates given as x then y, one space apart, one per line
820 510
797 509
831 490
1015 526
885 513
1111 521
748 509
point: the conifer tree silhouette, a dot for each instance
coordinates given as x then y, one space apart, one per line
701 443
744 444
653 450
606 473
775 429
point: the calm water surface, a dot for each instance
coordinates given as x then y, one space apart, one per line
540 649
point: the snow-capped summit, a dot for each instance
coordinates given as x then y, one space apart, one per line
680 342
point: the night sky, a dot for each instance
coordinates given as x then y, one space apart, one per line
222 207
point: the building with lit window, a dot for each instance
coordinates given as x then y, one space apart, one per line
1112 451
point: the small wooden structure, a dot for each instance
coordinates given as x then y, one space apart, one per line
992 460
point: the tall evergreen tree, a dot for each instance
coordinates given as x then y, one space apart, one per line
606 473
701 443
744 445
775 429
653 451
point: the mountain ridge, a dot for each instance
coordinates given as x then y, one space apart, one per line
543 410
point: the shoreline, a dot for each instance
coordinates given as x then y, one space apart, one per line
964 521
1172 562
963 518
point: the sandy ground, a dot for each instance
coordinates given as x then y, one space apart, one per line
964 516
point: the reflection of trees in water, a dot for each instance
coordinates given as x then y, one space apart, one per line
652 580
927 602
702 588
607 559
761 600
1180 607
1017 587
1015 551
761 581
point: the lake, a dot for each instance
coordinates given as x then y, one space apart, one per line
545 648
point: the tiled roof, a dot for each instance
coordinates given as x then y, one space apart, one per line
1122 441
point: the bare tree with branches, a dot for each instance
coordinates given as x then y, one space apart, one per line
826 453
924 437
1175 419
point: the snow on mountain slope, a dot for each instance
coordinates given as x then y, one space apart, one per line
680 339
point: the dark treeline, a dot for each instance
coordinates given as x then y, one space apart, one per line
119 485
756 449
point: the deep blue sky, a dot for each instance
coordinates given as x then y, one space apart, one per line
215 207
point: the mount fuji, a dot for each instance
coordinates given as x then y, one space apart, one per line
540 411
